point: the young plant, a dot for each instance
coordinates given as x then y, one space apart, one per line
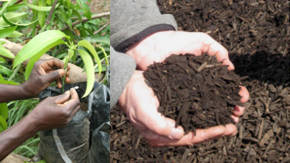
45 41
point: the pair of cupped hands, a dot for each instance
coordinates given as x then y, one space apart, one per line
141 105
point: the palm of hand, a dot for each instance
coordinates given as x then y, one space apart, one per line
140 104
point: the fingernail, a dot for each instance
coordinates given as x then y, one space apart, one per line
237 108
176 133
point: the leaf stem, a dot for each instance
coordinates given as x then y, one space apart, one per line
86 19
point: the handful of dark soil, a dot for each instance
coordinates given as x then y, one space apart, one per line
196 91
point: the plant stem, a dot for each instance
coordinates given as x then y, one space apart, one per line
67 59
102 28
14 73
51 12
86 19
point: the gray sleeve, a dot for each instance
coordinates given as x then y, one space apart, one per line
133 20
122 68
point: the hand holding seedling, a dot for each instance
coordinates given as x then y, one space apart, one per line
158 46
54 112
43 74
51 113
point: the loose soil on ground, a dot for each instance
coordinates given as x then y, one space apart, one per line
256 33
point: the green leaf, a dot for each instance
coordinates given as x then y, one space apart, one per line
4 110
41 15
89 67
105 54
15 7
2 60
7 4
104 40
12 16
7 31
10 22
3 124
15 34
86 44
39 8
6 53
85 8
3 81
36 57
68 57
4 70
39 45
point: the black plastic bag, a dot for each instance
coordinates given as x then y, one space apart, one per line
86 137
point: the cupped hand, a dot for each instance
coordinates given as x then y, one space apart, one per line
141 106
54 112
43 74
158 46
202 135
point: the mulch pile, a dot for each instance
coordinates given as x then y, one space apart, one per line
256 33
198 92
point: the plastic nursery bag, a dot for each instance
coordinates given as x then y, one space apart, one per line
86 138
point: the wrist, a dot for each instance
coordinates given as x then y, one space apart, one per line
148 46
33 124
25 91
122 99
135 39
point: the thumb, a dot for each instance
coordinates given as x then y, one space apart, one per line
61 99
53 75
164 126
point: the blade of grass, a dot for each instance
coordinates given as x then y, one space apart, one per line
7 31
39 8
4 110
3 124
6 53
17 24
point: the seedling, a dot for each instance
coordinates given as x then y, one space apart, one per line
43 42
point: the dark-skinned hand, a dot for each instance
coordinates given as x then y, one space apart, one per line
54 112
43 74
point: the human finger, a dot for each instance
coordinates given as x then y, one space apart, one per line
239 111
59 83
51 64
67 79
53 75
213 48
235 118
153 137
231 130
244 93
62 98
199 136
228 63
161 125
74 100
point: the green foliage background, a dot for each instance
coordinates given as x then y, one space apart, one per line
20 21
